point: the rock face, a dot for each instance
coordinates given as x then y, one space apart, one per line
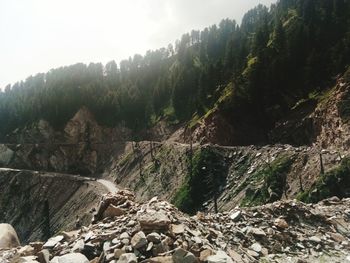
156 231
8 237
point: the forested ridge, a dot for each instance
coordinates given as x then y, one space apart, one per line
276 57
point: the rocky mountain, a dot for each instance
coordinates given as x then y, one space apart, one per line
234 148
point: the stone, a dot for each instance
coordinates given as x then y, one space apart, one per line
281 223
160 248
8 237
315 239
131 223
177 229
182 256
78 246
256 247
235 216
118 252
28 259
156 220
52 242
337 237
204 254
235 256
257 232
26 251
127 258
124 235
70 258
43 256
154 237
167 259
37 246
253 253
139 240
112 211
219 257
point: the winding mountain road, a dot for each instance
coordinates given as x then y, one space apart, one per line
108 185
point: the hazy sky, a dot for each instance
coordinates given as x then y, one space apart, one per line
37 35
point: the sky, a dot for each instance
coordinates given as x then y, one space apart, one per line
38 35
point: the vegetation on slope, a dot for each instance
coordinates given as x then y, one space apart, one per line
207 176
276 57
335 182
273 180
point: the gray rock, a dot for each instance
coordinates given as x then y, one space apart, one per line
43 256
124 235
219 257
8 237
28 259
154 237
315 239
256 247
182 256
53 241
154 220
139 240
127 258
78 246
70 258
235 216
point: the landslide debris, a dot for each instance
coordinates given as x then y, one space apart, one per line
156 231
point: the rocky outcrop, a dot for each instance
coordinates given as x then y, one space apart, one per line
270 233
8 237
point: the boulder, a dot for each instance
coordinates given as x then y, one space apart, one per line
8 237
154 220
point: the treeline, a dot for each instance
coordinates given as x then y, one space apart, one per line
276 56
